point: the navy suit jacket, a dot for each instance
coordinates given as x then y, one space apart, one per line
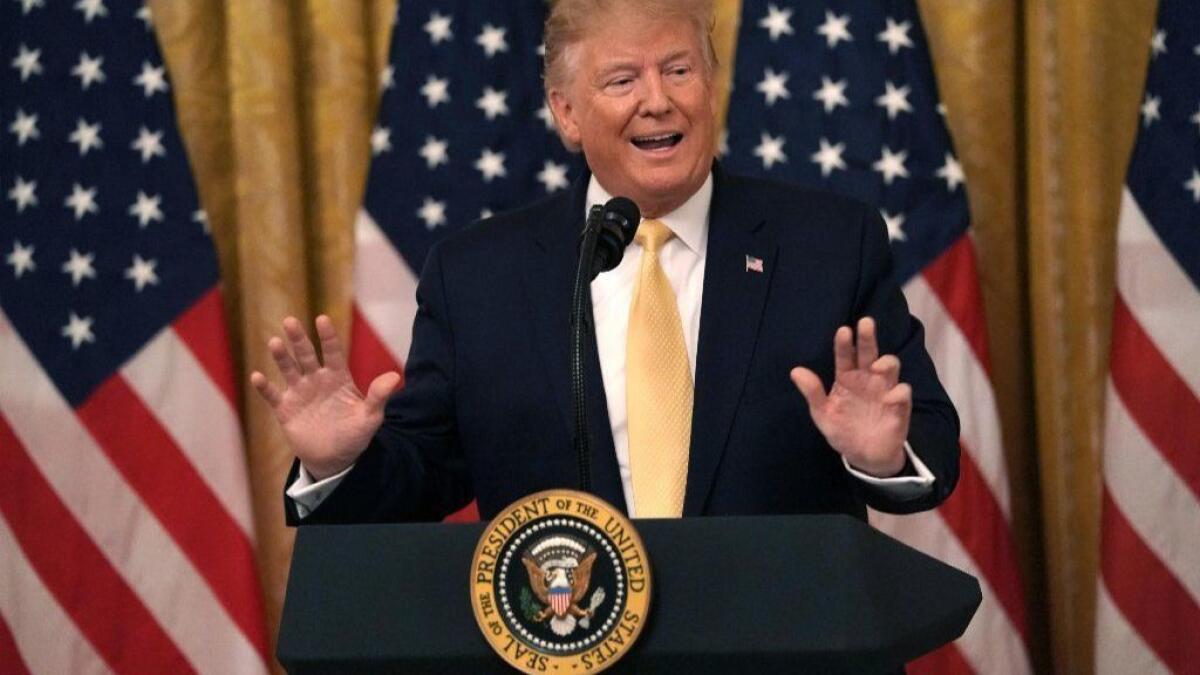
485 411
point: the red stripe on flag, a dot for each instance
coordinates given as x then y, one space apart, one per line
369 358
76 572
10 658
954 278
947 660
202 329
974 515
171 488
1159 401
1158 607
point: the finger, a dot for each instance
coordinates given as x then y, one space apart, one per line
868 347
900 396
810 386
284 361
887 367
269 392
843 351
381 388
302 347
331 346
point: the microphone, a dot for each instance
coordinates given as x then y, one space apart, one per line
606 233
617 224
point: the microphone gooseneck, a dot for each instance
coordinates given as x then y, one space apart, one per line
606 232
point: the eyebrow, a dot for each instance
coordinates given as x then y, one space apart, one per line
631 65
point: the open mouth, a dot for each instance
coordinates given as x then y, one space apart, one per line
657 141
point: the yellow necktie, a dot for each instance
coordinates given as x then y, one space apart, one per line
658 384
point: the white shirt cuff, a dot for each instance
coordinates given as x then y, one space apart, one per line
903 488
308 494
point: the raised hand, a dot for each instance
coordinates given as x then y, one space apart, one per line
865 416
326 420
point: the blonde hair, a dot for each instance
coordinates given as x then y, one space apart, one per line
571 20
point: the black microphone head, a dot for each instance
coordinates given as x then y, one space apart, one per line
623 209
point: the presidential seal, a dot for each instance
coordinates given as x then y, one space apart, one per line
560 582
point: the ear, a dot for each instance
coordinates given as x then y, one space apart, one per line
565 118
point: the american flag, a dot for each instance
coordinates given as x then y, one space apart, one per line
126 539
1148 600
839 95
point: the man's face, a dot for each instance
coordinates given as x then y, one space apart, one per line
640 104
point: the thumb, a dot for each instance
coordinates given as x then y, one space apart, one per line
810 386
381 388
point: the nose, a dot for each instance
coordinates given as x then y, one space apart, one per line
655 99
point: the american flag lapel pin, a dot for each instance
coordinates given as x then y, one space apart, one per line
754 264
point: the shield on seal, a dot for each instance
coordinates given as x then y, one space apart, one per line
560 600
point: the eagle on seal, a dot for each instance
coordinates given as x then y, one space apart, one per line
560 573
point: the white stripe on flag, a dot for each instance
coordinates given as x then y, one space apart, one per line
177 390
1158 293
1162 509
384 287
967 384
1119 649
51 643
991 644
116 520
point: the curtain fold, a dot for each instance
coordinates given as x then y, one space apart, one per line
277 102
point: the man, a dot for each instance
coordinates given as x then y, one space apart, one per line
733 285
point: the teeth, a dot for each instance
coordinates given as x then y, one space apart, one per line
651 139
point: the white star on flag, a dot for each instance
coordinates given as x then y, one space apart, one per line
91 9
894 99
895 225
832 94
438 27
835 29
436 90
24 193
891 165
142 273
381 140
27 6
1150 109
21 259
491 165
435 152
79 266
493 103
952 173
1193 184
774 86
387 78
896 36
78 330
1196 118
433 212
82 201
553 176
27 61
89 70
546 116
87 136
146 209
1158 43
491 38
152 79
201 216
25 127
149 144
778 22
829 157
143 14
770 150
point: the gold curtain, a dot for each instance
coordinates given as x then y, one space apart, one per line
277 99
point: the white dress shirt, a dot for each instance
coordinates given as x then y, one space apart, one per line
682 259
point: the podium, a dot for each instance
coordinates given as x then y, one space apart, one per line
787 594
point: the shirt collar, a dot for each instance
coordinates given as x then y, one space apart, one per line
689 222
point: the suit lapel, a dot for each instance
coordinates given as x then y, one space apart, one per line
732 306
548 284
